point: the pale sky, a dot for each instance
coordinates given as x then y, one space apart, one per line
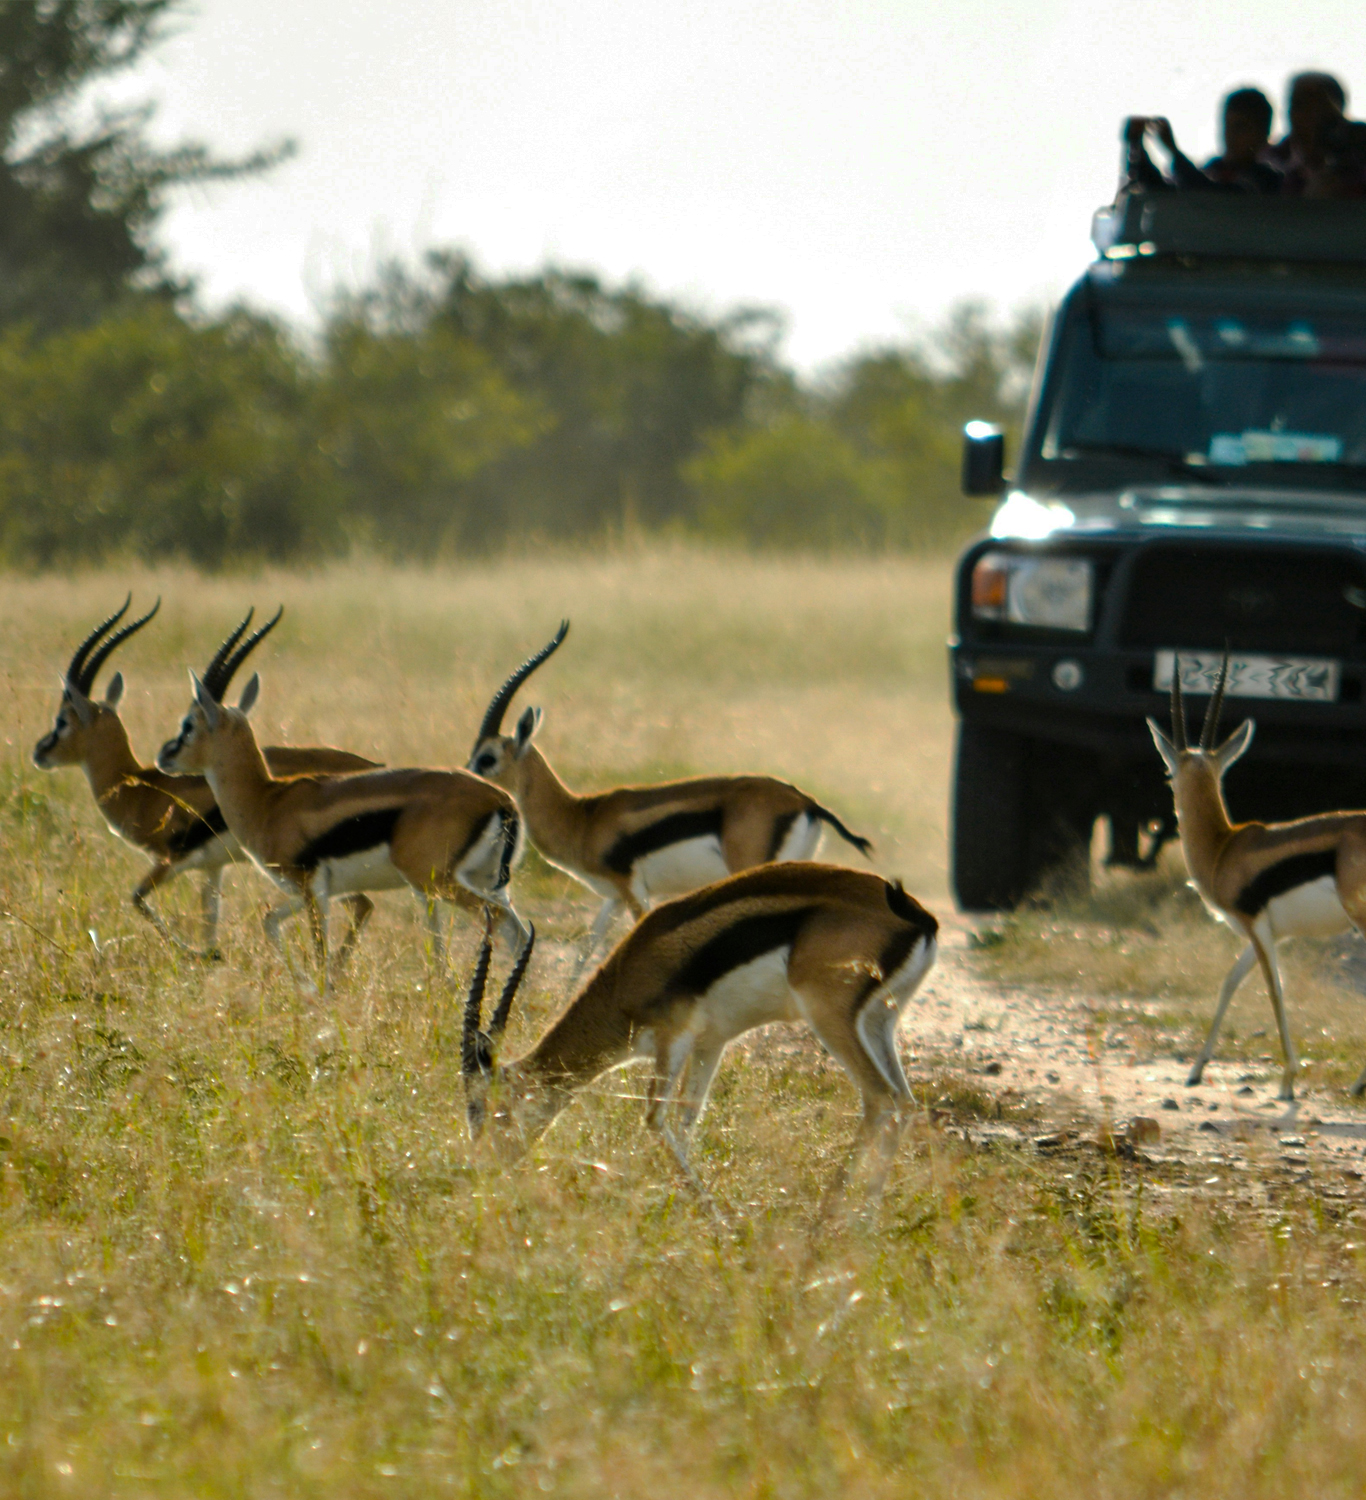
859 166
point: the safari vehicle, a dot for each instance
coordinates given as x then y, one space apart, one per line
1193 478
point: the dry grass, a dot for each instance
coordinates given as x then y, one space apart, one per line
247 1251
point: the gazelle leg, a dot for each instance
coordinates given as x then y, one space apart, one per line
158 876
276 917
210 899
360 906
682 1067
435 933
601 923
1232 980
1265 945
317 926
836 1026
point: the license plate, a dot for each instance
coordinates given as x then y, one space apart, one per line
1311 679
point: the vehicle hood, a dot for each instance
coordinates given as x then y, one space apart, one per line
1197 507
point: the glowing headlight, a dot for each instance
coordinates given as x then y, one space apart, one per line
1051 592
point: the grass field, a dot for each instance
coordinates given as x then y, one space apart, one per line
245 1248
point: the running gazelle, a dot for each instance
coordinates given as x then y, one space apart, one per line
842 950
634 845
448 835
173 820
1267 881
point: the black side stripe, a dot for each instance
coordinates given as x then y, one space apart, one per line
739 943
1299 869
351 836
674 829
204 828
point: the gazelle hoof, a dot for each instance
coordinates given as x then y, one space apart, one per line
1193 1080
211 955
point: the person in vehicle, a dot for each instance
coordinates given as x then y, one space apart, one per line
1247 132
1324 153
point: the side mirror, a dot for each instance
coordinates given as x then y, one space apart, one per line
984 459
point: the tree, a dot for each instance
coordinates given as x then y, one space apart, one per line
628 385
78 203
150 435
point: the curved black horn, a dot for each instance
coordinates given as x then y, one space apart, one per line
493 719
87 678
1216 707
73 672
471 1056
219 686
1178 707
215 667
499 1020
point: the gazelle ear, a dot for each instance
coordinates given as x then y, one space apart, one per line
114 691
1235 745
206 701
1165 748
249 694
85 710
527 726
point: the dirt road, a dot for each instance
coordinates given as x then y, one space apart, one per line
1092 1069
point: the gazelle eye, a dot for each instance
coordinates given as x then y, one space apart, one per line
487 761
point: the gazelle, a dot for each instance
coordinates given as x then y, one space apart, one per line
638 844
174 821
448 835
1267 881
842 950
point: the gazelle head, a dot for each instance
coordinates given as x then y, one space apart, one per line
1203 767
496 756
80 718
209 720
487 1099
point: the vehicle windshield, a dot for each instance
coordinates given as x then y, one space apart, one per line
1220 392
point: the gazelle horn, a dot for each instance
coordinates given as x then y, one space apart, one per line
220 672
73 672
1178 707
86 680
1216 705
473 1058
215 667
499 1020
493 718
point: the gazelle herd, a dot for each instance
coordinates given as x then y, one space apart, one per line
735 925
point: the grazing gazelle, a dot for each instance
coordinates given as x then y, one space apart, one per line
172 819
842 950
448 835
638 844
1267 881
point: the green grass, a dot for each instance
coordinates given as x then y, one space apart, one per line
247 1250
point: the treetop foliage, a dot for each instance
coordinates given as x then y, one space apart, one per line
442 410
79 200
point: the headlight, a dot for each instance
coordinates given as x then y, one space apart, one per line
1050 592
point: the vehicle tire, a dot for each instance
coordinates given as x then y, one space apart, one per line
991 826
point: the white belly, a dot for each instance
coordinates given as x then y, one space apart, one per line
801 839
366 870
751 995
677 869
1311 910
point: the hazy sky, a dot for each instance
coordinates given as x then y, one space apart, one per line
859 165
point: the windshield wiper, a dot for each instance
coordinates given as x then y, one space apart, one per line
1174 465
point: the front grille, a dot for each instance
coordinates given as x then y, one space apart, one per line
1256 599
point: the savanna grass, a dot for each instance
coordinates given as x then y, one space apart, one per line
248 1251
